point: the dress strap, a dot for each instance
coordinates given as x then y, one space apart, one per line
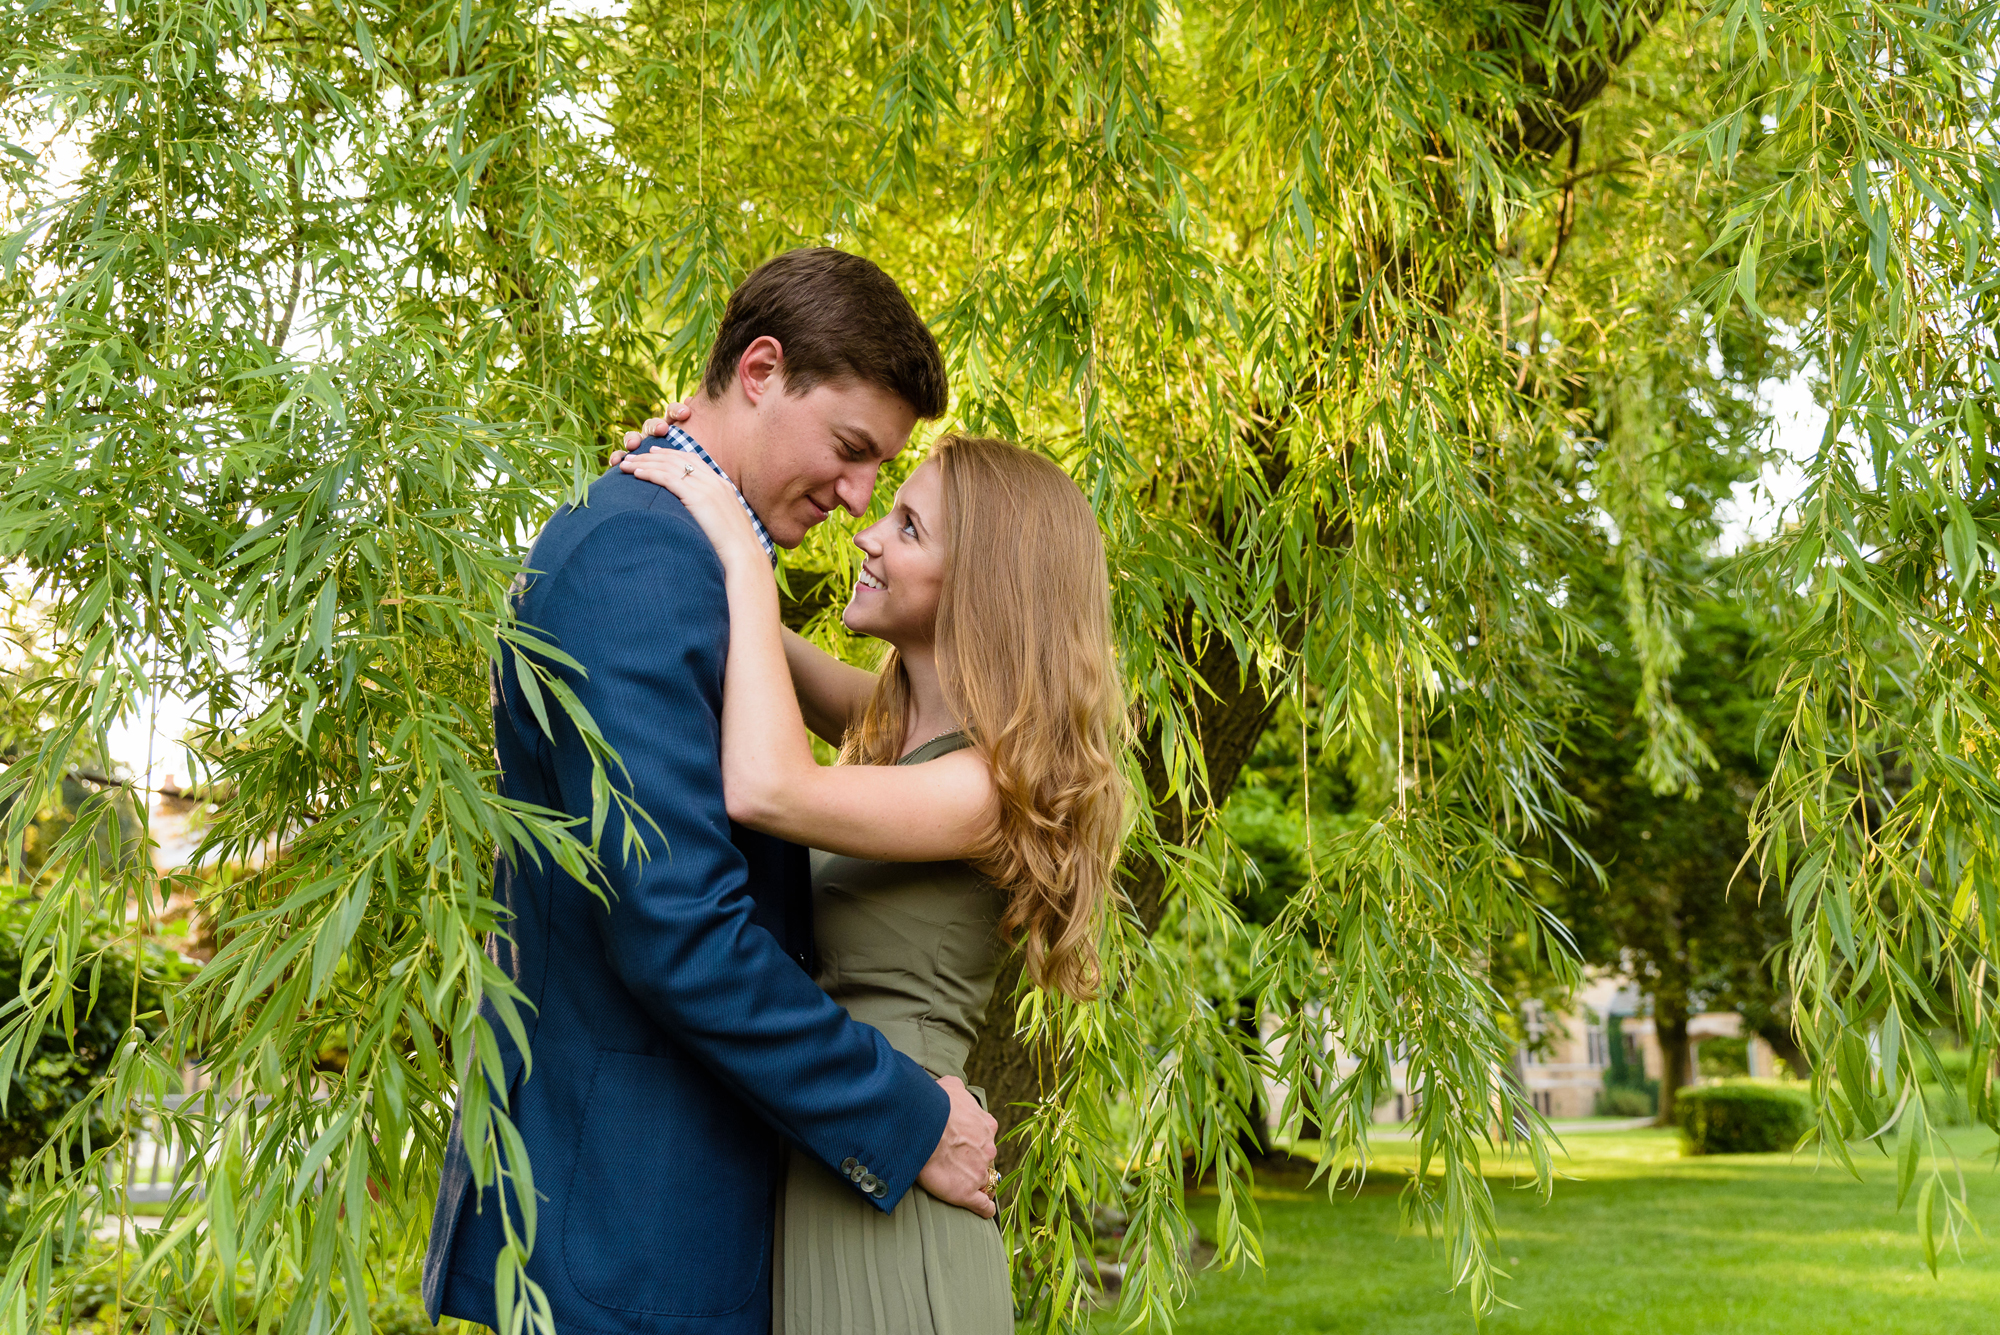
942 745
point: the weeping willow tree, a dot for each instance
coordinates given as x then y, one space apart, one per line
1365 326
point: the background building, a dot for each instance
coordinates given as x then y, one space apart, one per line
1564 1062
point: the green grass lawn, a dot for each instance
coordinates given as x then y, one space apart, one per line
1637 1240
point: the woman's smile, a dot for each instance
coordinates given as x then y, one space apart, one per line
901 577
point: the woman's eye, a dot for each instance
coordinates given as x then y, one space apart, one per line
909 527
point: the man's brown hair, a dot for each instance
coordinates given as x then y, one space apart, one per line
838 318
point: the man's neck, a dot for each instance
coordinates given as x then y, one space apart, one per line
710 423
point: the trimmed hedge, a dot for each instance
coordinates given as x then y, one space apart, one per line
1742 1117
1625 1101
1946 1102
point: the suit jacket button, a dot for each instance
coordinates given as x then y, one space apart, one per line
847 1164
879 1191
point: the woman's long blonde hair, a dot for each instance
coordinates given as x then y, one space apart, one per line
1024 655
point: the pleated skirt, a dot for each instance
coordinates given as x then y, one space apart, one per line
842 1267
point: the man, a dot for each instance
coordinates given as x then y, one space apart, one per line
674 1031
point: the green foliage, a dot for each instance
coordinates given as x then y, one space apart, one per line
1289 804
1658 891
1629 1100
1946 1105
122 986
1723 1058
1376 332
1954 1088
1879 825
1622 1068
105 1302
1742 1117
1627 1092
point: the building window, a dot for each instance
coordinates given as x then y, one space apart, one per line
1545 1102
1534 1027
1600 1047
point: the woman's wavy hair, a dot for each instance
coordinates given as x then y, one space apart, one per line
1025 658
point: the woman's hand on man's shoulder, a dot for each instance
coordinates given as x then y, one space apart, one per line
652 426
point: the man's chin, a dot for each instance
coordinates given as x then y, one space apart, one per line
792 529
788 536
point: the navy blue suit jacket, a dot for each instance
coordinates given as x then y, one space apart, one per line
675 1033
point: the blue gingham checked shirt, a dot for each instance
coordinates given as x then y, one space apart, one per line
677 439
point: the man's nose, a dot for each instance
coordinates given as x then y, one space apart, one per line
854 488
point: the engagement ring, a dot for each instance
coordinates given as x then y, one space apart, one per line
687 470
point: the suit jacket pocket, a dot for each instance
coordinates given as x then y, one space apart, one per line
669 1208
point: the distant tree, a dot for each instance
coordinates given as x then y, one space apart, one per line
1675 904
1356 320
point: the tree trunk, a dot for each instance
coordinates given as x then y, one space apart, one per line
1670 1027
1003 1068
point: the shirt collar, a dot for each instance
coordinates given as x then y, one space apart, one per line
677 439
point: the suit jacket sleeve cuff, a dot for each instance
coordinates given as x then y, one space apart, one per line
884 1170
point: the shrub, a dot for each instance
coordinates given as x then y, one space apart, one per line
1946 1102
1742 1117
1957 1064
1626 1101
1724 1058
136 1305
1627 1092
1946 1105
52 1076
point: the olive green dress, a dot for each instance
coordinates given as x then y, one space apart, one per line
911 948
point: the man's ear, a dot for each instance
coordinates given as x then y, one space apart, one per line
761 369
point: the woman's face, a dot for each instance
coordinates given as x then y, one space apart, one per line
896 597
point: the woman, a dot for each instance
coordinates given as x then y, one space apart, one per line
978 802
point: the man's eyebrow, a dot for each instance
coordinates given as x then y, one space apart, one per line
862 436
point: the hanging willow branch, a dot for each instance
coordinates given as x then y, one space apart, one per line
313 315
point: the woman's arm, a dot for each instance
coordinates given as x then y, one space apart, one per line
831 693
920 813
